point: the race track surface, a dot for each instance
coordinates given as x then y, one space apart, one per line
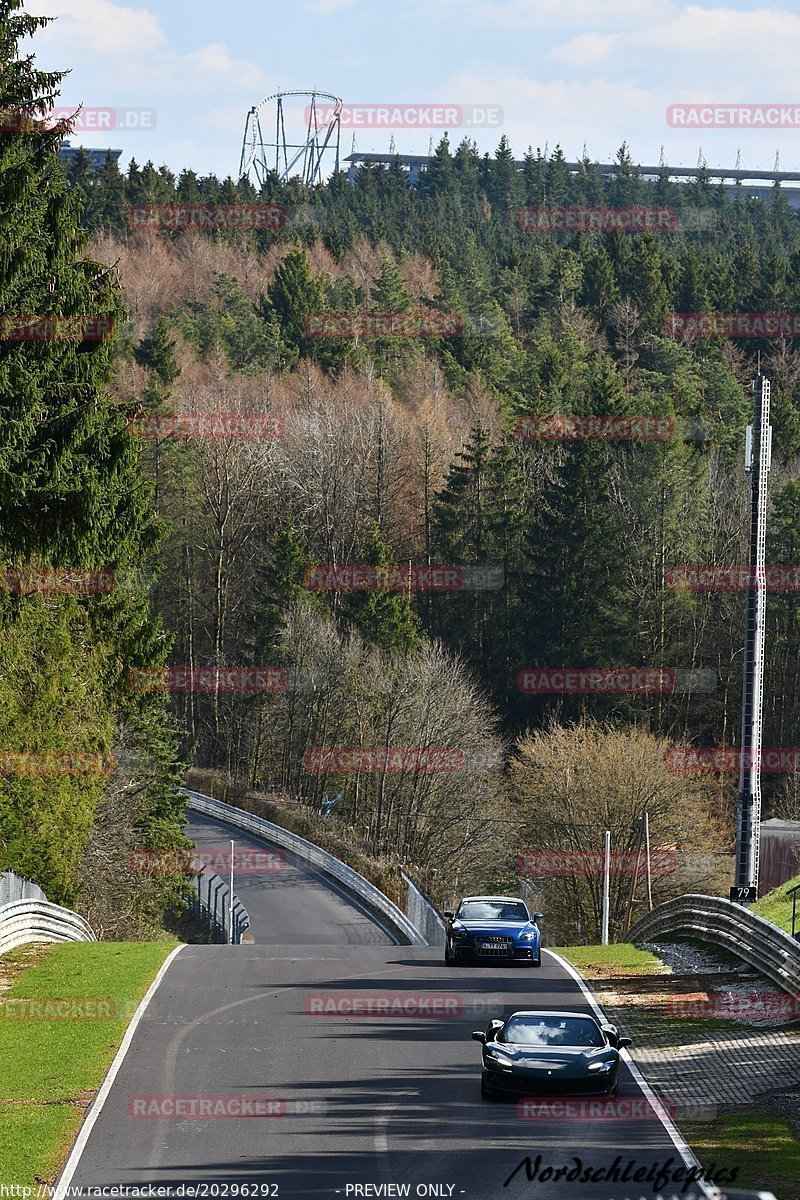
355 1104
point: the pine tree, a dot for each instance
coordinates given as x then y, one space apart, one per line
72 496
389 293
507 186
383 614
285 580
293 296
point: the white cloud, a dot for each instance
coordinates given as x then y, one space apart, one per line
600 112
227 118
727 31
216 61
585 49
329 8
535 14
90 27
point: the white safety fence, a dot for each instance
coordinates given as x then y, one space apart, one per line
210 905
393 917
14 887
713 919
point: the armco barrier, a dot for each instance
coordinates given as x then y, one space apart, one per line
713 919
421 913
25 921
359 887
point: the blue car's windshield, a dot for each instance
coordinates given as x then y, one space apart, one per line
552 1031
492 910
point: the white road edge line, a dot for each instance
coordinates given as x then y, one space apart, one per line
685 1151
65 1178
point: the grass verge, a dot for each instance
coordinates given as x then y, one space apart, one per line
605 962
776 906
763 1148
53 1058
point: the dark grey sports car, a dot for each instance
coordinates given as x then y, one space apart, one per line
541 1053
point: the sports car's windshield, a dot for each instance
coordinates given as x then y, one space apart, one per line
492 910
552 1031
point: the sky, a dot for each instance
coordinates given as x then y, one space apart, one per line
576 73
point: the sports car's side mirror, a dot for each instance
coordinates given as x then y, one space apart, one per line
449 914
538 916
623 1042
479 1037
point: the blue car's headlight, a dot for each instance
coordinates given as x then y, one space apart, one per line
528 937
608 1065
458 931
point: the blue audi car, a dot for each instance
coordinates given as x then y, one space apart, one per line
492 929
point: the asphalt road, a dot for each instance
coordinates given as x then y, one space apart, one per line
355 1100
287 905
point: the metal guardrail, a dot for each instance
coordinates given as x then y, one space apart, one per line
793 892
423 915
712 919
210 905
359 887
24 921
14 887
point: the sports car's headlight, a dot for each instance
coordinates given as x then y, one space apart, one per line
608 1065
495 1060
527 937
458 931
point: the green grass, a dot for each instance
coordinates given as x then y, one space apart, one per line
776 906
764 1148
622 958
49 1068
